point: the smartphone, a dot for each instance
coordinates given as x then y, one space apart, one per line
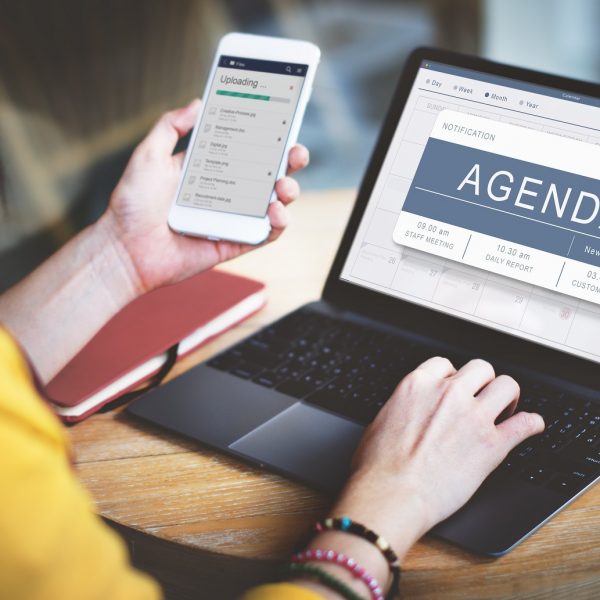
254 101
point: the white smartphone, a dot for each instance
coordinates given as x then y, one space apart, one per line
254 101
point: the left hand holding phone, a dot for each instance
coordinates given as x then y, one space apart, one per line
136 217
130 250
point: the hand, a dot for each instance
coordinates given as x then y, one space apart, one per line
130 250
428 450
433 444
137 214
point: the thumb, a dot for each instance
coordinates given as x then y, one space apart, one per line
169 128
518 428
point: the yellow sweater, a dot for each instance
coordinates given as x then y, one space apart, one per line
52 544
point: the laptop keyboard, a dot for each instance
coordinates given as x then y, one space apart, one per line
351 370
566 456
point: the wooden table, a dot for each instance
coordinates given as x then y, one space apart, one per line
208 525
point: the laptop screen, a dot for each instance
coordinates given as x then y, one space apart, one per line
487 208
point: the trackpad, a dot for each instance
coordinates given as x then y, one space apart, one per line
311 444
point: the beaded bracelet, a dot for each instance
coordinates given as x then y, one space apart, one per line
331 556
347 525
333 583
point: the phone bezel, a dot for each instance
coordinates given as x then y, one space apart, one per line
230 226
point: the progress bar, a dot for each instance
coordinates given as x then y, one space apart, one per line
252 96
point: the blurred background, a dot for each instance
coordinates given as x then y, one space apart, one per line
81 81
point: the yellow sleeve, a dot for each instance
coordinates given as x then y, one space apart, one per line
53 545
281 591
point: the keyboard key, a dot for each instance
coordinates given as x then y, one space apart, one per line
581 473
550 421
330 399
577 450
223 362
246 370
296 389
524 452
536 474
556 445
565 484
511 465
593 458
268 379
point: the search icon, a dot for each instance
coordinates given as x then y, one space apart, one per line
288 69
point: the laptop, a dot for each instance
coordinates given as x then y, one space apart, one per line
475 233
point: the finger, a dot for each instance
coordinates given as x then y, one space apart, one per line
178 159
500 396
518 428
183 119
287 190
437 366
475 375
278 218
413 386
298 158
169 128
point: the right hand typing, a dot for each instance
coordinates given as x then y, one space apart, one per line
435 441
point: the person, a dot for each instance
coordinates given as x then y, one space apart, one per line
424 455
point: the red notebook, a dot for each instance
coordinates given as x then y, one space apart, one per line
132 346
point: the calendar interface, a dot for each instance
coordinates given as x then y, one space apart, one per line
487 207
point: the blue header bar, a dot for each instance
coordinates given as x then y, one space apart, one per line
511 83
558 213
266 66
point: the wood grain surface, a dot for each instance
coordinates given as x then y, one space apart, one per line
208 525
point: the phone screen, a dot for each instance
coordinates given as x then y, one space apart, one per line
242 135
